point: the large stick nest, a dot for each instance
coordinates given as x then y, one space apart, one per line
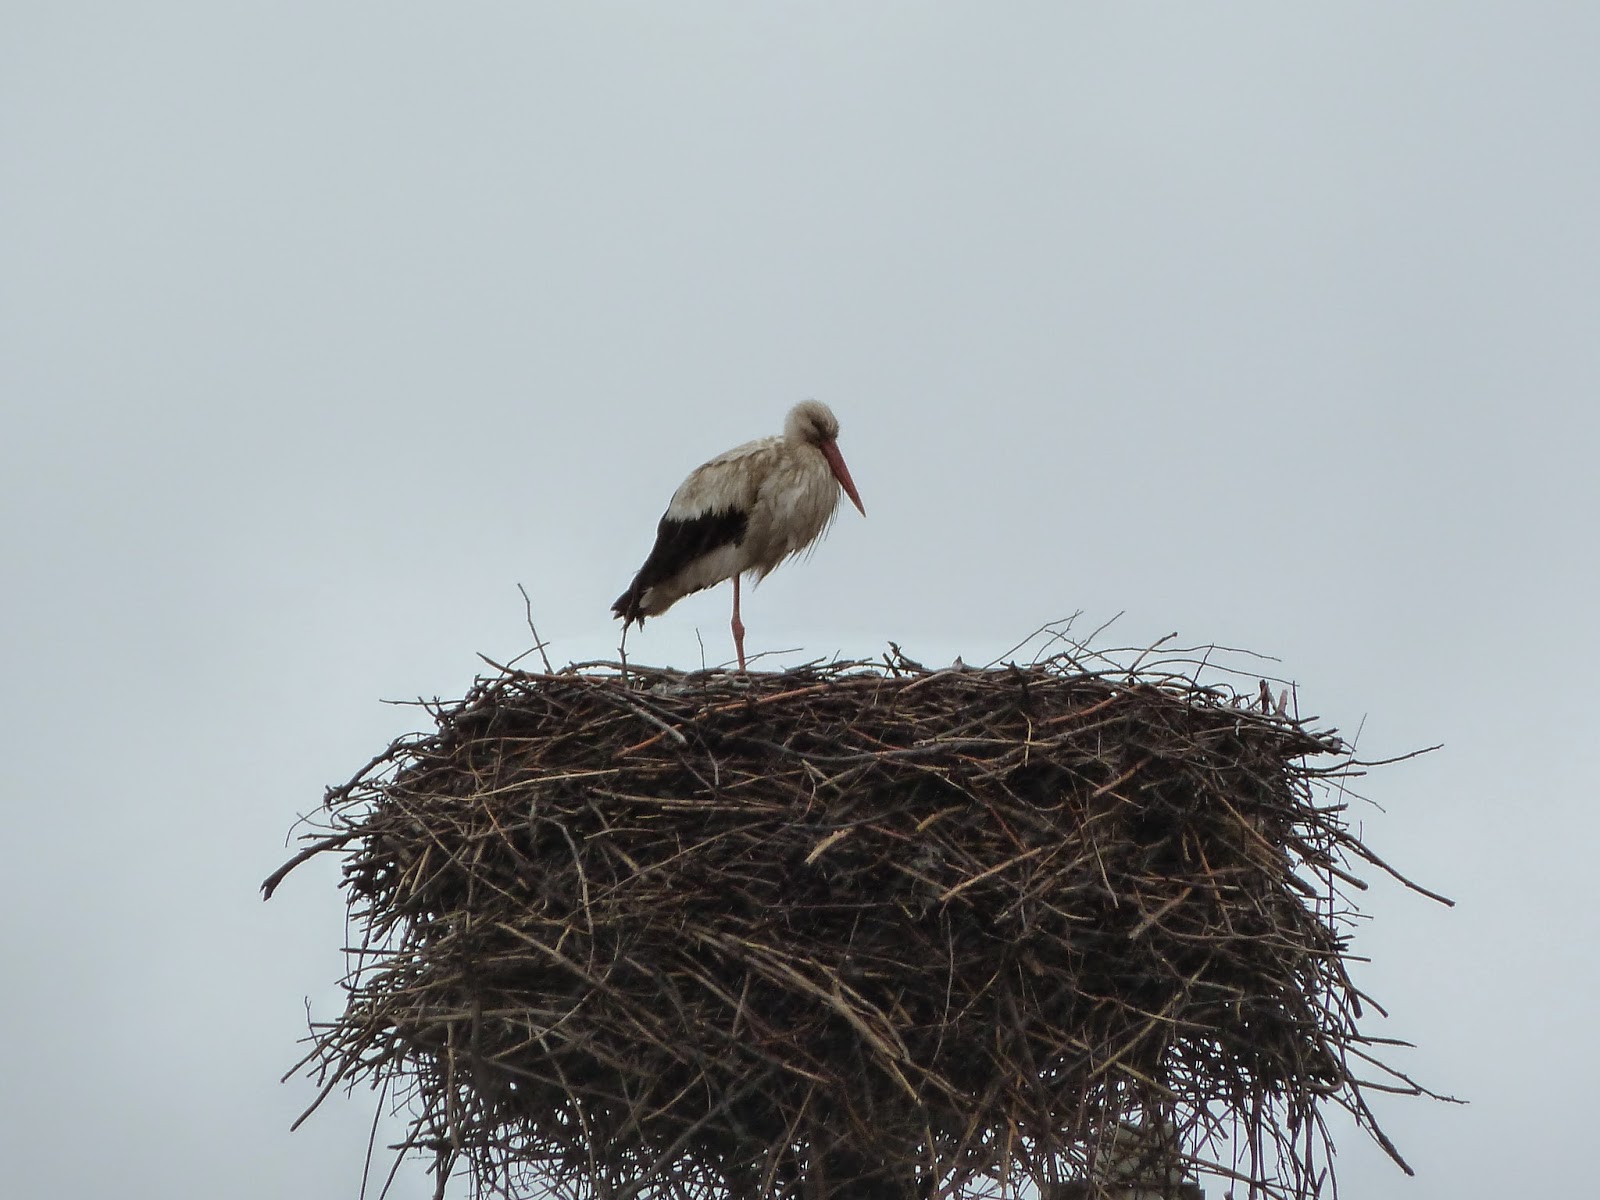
852 930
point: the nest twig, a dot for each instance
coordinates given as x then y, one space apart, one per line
853 930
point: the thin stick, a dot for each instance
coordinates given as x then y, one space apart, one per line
538 642
332 842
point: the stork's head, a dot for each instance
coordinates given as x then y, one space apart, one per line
812 423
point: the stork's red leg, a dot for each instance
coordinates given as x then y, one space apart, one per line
738 625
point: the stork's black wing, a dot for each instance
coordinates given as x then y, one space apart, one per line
679 542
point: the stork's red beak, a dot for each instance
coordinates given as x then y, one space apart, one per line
830 451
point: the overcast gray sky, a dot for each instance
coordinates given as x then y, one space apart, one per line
325 324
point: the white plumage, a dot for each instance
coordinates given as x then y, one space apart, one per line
744 511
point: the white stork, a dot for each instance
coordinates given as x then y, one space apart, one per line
746 510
